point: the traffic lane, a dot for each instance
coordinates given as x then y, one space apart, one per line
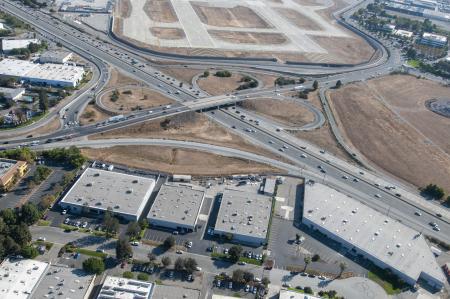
407 211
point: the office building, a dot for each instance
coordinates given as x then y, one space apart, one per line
14 94
55 57
10 44
122 288
433 40
10 172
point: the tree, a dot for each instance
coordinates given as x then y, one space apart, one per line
128 274
133 230
151 257
433 191
342 267
21 234
169 242
166 261
29 213
11 246
308 290
9 216
142 276
307 261
235 252
297 238
265 281
205 73
94 265
248 276
190 264
123 249
43 100
179 264
110 223
338 84
238 276
315 85
315 258
29 252
143 224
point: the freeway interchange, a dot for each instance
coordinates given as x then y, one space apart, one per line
306 159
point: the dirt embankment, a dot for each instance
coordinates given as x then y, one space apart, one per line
385 137
174 160
160 11
287 112
189 126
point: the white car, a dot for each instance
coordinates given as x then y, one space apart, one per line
135 243
150 112
303 156
64 212
377 195
41 239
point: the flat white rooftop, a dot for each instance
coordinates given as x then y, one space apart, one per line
48 71
434 37
285 294
174 292
9 44
178 203
244 213
122 288
61 281
5 165
18 278
384 238
100 189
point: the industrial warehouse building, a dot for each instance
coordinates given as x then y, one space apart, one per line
62 281
55 57
365 231
177 206
244 216
99 190
9 170
20 277
433 40
10 44
123 288
46 74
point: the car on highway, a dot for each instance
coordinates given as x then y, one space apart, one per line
377 195
417 213
285 146
436 228
303 156
345 177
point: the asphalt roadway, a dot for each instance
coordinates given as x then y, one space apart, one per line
74 40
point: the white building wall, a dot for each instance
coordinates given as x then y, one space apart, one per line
245 239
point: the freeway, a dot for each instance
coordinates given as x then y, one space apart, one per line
96 51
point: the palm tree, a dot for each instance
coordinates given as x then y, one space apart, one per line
307 260
342 266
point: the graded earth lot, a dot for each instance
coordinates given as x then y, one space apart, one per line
386 120
290 30
283 111
160 11
188 126
219 85
174 160
238 16
130 98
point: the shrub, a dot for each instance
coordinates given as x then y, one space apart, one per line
94 265
128 274
143 276
223 74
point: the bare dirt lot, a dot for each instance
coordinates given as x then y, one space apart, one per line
167 33
348 50
286 112
188 126
174 160
301 21
183 74
118 79
220 85
92 115
160 11
253 38
52 126
133 97
407 95
388 139
124 7
239 16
